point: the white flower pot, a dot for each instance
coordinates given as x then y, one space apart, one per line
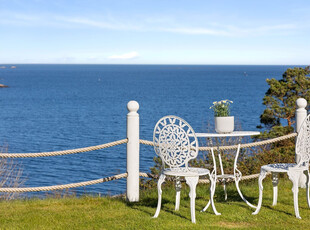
224 124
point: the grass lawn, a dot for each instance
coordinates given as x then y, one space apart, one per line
90 212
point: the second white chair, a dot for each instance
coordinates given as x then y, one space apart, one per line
294 171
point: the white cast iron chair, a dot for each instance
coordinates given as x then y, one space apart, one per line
293 170
176 143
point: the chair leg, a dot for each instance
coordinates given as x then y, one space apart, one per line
207 206
225 191
262 175
192 183
211 201
275 181
212 191
178 187
294 177
307 187
237 180
159 183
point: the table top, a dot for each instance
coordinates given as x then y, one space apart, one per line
233 134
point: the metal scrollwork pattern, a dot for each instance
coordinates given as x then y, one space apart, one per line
303 142
175 141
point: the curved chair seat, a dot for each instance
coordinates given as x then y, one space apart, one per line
191 172
279 167
226 176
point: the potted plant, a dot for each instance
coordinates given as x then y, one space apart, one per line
224 123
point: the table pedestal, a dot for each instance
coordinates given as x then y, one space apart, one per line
224 177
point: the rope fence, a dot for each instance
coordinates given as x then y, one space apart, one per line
123 175
205 181
64 186
101 180
64 152
248 145
144 142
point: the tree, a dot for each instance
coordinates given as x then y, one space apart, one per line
282 94
280 101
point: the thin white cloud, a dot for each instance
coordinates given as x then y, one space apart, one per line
103 24
125 56
87 22
17 19
162 25
277 27
223 30
196 31
261 30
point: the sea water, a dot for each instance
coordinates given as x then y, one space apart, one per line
60 107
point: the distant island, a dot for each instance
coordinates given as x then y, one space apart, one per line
4 67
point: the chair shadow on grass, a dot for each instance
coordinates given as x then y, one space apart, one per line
272 208
233 196
152 203
201 200
148 204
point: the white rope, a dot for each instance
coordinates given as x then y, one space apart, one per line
64 186
248 145
64 152
91 182
204 181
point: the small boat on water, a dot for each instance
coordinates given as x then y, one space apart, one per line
3 86
13 67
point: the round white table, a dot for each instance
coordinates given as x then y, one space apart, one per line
237 174
233 134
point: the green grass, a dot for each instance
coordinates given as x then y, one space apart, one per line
114 213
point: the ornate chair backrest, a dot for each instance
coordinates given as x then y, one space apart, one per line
175 142
303 143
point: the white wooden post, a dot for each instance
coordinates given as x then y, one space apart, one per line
133 146
301 114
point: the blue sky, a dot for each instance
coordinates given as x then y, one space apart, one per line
155 32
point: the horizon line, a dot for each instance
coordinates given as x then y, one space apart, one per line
12 64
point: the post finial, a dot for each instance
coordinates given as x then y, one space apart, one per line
133 106
301 103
